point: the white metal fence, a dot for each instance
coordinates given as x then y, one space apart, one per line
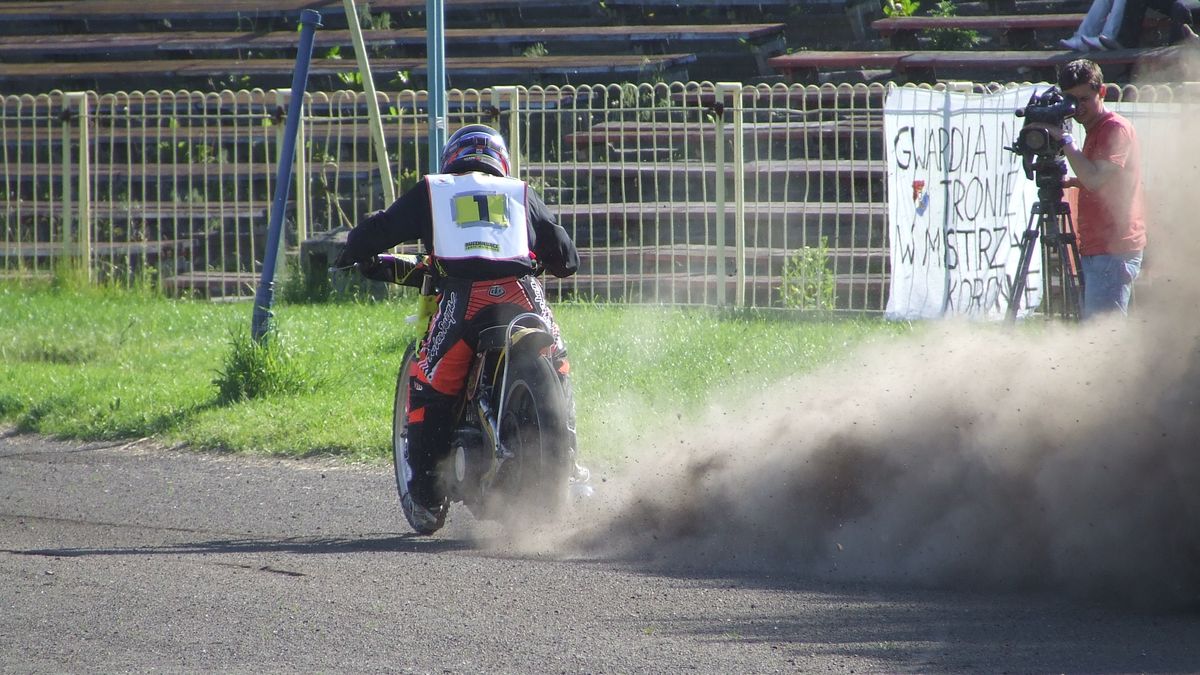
690 193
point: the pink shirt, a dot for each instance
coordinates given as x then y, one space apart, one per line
1113 218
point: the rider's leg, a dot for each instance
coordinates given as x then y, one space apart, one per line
436 380
429 429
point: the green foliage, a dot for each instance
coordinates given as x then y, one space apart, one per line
257 370
369 21
70 275
352 79
899 8
950 38
407 179
298 287
808 282
536 50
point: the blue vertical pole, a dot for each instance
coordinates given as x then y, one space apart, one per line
264 296
435 53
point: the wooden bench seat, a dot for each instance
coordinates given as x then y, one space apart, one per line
132 10
846 224
165 73
859 293
197 171
639 134
139 45
804 66
1022 64
1018 29
692 169
929 65
845 98
148 250
145 211
696 257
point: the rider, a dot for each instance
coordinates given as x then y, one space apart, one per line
484 231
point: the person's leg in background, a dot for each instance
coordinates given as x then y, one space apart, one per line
1129 33
1185 15
1090 27
1108 283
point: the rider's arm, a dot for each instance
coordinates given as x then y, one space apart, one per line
405 220
551 243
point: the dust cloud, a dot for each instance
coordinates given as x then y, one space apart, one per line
1064 458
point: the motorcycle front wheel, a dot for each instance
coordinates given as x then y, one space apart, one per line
403 471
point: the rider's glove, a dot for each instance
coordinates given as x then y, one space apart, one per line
377 270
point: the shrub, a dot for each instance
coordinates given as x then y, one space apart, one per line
807 279
257 370
951 38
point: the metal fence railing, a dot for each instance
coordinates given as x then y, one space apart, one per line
688 193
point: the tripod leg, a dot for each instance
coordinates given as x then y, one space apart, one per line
1028 245
1072 264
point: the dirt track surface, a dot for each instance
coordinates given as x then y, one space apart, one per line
117 557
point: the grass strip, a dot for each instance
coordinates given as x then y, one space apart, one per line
116 364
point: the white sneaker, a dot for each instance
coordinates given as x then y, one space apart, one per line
1072 43
1110 42
1093 43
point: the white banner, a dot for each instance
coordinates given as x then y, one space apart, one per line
958 203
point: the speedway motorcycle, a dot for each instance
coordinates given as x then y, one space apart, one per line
511 455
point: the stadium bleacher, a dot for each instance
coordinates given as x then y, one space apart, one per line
614 182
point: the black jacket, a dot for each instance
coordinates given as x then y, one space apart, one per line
410 218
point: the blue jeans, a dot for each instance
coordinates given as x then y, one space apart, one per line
1108 282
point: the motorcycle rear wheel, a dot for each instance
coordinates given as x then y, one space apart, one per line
534 430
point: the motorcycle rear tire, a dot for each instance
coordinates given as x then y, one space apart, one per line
534 429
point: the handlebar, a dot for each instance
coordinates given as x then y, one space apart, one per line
402 270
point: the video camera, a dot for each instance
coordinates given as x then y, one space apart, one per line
1051 107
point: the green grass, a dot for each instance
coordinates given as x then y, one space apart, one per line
105 364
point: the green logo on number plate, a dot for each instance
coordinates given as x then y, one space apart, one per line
485 245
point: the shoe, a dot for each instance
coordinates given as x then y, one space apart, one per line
423 520
1072 43
1110 42
1093 43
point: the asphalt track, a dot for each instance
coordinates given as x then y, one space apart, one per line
130 557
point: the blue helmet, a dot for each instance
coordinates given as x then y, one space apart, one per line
476 147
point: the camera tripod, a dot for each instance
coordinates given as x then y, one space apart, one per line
1051 219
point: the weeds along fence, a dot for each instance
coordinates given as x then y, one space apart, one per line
680 193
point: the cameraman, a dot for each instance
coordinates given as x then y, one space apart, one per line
1111 220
